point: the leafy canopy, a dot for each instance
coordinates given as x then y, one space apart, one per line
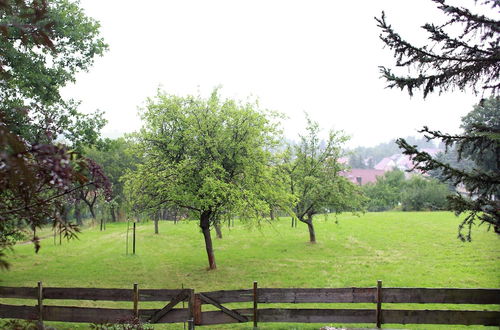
315 174
42 45
210 155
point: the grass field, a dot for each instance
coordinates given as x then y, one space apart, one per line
403 249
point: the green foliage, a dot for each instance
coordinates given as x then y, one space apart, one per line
481 144
416 194
37 73
116 157
314 178
125 324
204 155
385 194
463 53
42 46
212 157
422 194
59 42
484 123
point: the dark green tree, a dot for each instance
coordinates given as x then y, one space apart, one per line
464 54
42 46
116 158
385 193
424 194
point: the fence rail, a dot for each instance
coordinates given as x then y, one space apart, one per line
195 315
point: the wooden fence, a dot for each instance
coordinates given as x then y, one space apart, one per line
194 315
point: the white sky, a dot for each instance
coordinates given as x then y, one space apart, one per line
294 56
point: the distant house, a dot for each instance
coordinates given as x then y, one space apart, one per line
386 164
362 176
400 161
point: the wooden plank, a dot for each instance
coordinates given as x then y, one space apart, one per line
317 315
18 312
85 314
176 315
162 312
229 312
81 314
19 292
104 315
441 317
295 316
230 296
109 294
342 295
441 296
158 294
219 317
88 294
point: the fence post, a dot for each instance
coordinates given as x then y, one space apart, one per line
379 304
133 241
190 324
136 300
191 310
255 311
40 306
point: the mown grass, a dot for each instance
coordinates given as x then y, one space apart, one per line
403 249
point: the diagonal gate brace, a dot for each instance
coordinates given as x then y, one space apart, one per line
162 312
233 314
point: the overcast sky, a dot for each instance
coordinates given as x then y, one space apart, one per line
321 57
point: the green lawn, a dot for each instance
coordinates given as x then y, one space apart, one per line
403 249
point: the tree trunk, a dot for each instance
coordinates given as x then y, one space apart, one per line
90 203
312 234
310 226
156 225
205 228
92 212
271 213
113 213
218 230
78 213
